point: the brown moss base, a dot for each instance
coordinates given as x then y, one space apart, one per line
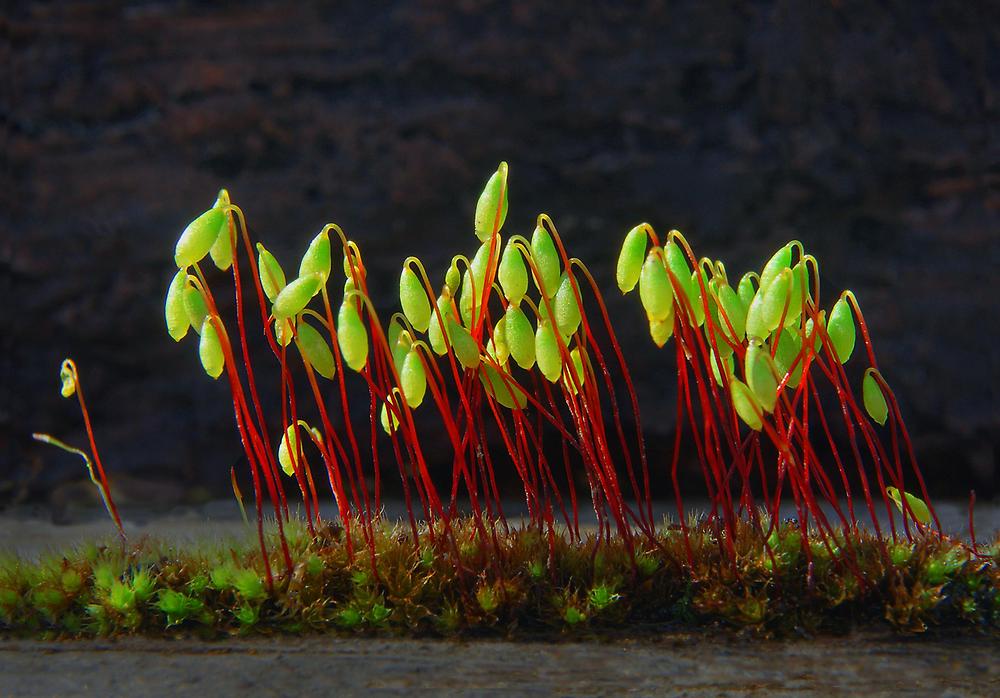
513 587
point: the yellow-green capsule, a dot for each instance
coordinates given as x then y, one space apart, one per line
317 259
466 304
174 309
566 308
745 290
789 348
781 260
520 337
210 350
728 366
513 274
389 420
799 291
547 352
655 291
917 505
817 338
694 295
547 262
272 278
767 306
399 342
194 307
288 449
502 387
413 299
225 244
316 351
452 278
491 209
67 374
841 329
760 373
874 399
413 378
576 369
661 330
746 405
464 346
733 310
630 258
296 296
198 238
283 332
498 347
676 262
436 335
351 335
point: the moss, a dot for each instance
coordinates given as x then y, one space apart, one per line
523 584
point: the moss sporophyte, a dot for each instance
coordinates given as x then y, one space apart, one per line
515 357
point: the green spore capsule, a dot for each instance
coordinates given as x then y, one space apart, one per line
513 274
465 347
694 297
817 338
272 278
728 366
413 299
745 290
173 309
661 331
399 342
547 352
655 291
919 508
315 350
317 260
746 405
283 332
210 350
388 419
733 310
676 262
194 306
413 378
874 399
765 310
67 374
288 449
789 347
351 335
547 262
465 298
296 296
576 367
198 238
498 347
452 278
760 373
225 245
781 260
798 292
565 307
630 258
841 329
502 387
438 340
520 337
491 209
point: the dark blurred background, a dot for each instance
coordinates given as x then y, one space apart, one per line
869 130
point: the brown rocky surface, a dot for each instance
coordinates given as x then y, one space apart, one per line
867 130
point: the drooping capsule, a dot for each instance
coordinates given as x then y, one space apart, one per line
789 348
503 387
210 350
67 375
413 378
294 297
547 352
575 371
655 291
733 318
874 398
317 259
464 346
767 306
351 335
272 277
780 260
224 247
198 238
469 298
520 337
498 347
841 329
174 310
513 274
388 419
452 278
745 290
413 299
746 405
630 258
284 332
566 308
435 333
491 209
918 506
760 374
661 331
315 350
728 368
676 262
547 262
195 307
288 449
798 292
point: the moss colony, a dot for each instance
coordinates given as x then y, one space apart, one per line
514 359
